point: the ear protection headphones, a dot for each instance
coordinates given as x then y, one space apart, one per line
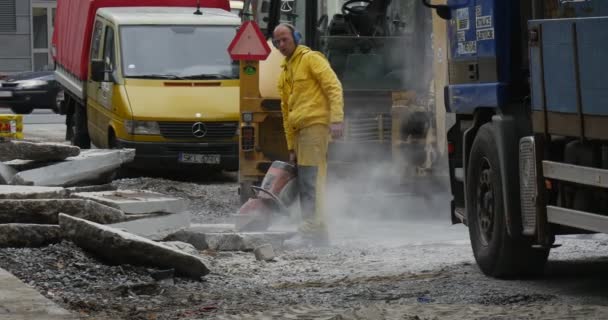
296 35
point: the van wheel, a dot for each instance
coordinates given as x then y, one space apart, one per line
22 109
497 253
112 143
81 138
58 107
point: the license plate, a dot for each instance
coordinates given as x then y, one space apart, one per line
6 93
199 158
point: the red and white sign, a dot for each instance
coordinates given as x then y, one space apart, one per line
249 43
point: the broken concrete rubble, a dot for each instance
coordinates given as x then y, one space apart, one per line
137 201
264 253
120 247
22 165
246 241
182 246
211 228
30 192
197 236
16 235
25 150
156 227
7 173
89 167
46 211
196 239
97 188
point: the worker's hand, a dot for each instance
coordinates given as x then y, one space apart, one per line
337 130
292 157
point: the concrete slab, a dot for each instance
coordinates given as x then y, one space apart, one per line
22 165
157 227
211 228
225 240
197 239
7 173
97 188
46 211
89 167
30 192
183 246
16 235
39 151
19 301
121 247
245 241
137 201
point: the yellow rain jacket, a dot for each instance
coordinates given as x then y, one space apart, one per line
310 92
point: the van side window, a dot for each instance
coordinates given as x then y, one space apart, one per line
97 33
108 48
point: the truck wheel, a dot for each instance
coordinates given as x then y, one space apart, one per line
496 252
80 138
22 109
58 107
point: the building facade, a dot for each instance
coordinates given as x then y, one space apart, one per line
26 30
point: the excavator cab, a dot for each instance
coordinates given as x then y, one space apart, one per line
364 44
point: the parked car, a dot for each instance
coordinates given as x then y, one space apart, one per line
27 91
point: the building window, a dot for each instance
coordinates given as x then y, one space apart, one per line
41 31
8 18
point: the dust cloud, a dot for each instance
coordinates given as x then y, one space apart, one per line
403 195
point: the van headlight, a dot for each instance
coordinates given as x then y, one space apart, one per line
142 127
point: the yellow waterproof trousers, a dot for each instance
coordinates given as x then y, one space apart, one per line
311 152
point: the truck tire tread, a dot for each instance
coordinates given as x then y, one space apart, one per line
502 256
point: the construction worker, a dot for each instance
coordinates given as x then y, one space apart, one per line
312 106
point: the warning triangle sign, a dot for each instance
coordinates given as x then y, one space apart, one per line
249 43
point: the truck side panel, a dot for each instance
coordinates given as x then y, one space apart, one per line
570 77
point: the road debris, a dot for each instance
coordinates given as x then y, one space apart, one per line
31 192
122 247
228 241
17 235
36 151
90 167
7 173
155 226
182 246
264 253
46 211
137 201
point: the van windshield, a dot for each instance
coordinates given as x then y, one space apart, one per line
175 52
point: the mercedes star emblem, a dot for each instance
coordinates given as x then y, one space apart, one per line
199 129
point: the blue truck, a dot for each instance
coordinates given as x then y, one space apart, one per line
528 153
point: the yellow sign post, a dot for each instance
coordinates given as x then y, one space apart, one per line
11 126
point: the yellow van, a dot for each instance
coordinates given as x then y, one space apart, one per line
160 81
